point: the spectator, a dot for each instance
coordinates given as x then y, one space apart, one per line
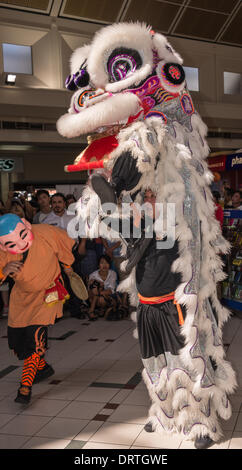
30 190
43 200
99 246
102 286
35 207
219 213
113 250
89 262
228 198
58 216
21 199
70 199
236 200
17 208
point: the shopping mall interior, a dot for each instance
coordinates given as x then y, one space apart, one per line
97 399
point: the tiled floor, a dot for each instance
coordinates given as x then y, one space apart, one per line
96 399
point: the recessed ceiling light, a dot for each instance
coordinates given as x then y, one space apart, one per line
10 79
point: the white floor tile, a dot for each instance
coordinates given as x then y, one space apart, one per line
96 394
5 418
238 426
88 431
138 397
129 414
8 405
45 443
154 439
102 445
117 433
24 425
229 425
44 407
6 388
84 375
62 428
80 410
65 391
12 442
120 396
236 441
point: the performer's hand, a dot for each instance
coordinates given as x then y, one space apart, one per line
12 268
68 270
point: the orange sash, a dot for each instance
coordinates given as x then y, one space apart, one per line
160 300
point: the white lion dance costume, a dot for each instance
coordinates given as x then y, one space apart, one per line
130 97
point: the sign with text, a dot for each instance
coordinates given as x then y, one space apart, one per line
11 164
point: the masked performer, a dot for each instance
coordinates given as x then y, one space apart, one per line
31 255
130 95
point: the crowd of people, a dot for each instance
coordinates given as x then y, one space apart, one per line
97 261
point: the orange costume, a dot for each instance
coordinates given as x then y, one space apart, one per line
41 268
38 294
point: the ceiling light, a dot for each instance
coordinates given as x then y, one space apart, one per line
15 147
10 79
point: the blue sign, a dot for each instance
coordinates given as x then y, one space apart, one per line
233 214
234 161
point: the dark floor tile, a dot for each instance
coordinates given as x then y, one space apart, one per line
100 417
135 380
111 406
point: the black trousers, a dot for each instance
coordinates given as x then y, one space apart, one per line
27 340
158 329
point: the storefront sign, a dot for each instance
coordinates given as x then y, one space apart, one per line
234 161
217 163
11 164
225 162
6 165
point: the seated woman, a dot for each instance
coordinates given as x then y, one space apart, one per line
101 286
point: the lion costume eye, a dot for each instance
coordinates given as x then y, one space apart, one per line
171 75
121 62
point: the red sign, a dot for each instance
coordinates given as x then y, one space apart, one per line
217 163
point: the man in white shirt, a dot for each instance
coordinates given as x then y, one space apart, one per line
58 216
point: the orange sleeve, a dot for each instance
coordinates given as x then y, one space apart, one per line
60 241
3 261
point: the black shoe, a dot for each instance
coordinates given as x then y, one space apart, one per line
104 190
24 395
43 374
148 427
203 442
